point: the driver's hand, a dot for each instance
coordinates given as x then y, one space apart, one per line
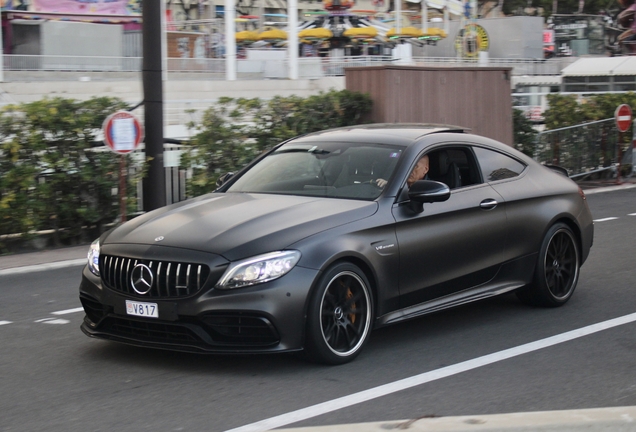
380 182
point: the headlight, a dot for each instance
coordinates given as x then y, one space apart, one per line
93 258
258 269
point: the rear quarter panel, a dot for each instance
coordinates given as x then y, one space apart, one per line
535 201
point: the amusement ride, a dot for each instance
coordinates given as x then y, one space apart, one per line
369 31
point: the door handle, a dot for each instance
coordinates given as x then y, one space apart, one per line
488 204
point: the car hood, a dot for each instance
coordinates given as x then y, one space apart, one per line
239 225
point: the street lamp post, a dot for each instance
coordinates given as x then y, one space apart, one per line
154 183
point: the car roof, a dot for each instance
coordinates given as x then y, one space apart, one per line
388 133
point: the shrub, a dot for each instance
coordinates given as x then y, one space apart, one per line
51 176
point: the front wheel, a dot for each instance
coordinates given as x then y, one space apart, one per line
557 271
340 315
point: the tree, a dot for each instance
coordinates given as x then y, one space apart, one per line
524 132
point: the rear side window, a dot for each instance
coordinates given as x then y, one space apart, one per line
497 166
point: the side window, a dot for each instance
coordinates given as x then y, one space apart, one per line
453 165
497 166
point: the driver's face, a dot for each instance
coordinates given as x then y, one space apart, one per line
420 170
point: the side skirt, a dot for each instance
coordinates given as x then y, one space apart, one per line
512 275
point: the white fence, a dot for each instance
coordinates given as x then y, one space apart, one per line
309 67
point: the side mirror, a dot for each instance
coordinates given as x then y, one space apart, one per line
427 191
224 178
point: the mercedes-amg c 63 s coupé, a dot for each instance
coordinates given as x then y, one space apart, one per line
322 239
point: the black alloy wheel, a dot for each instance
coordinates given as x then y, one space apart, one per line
340 315
557 271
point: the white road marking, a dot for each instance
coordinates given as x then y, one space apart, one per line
68 311
5 322
52 321
406 383
57 321
605 219
632 214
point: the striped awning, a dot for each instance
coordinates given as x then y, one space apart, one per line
601 66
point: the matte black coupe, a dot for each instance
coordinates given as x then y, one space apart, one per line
321 240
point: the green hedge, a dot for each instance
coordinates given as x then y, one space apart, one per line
51 177
234 131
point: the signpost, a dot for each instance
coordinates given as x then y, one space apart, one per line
623 117
122 134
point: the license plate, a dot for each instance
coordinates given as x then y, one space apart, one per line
142 309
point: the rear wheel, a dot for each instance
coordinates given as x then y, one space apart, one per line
557 270
340 315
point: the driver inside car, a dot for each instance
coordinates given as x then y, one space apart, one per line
419 173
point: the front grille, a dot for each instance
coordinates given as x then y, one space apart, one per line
170 279
151 331
208 333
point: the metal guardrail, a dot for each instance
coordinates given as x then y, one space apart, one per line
309 67
581 149
175 174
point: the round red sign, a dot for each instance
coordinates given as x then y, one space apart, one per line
623 116
122 132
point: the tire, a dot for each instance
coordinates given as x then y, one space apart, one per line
340 315
557 270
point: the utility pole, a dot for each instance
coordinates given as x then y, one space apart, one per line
154 183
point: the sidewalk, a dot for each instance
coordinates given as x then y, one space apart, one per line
618 419
54 258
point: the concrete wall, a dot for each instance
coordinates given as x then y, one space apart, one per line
176 90
81 39
511 37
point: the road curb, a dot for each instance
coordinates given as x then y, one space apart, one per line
40 267
616 419
608 189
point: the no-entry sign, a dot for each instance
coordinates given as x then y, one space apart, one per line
122 132
623 116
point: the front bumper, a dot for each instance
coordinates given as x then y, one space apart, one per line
268 317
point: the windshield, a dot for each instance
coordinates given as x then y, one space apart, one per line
338 170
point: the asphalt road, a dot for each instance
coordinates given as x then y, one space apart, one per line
54 378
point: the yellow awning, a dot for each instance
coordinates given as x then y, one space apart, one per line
315 33
361 32
434 31
273 34
246 36
405 32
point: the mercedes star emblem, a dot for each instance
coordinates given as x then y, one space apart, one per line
141 279
159 238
